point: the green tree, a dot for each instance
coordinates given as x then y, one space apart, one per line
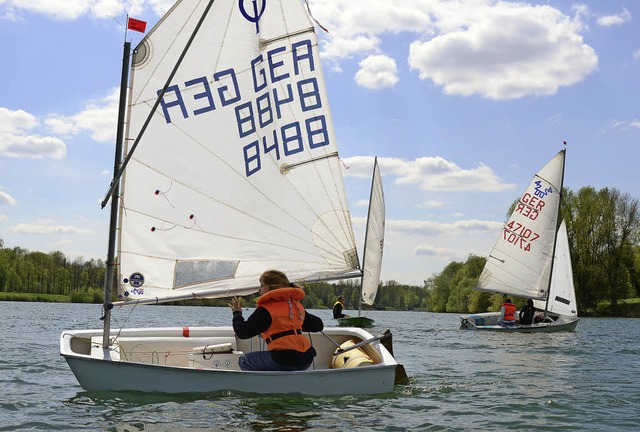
604 231
622 225
635 272
441 286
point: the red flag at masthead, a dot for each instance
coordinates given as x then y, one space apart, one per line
137 25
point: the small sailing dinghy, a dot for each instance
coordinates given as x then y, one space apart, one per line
230 168
372 254
531 259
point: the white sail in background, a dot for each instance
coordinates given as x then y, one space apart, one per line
238 170
374 239
520 262
562 294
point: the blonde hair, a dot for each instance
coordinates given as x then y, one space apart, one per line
275 279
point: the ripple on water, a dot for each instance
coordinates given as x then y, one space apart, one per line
459 380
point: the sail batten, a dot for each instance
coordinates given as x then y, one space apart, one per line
266 42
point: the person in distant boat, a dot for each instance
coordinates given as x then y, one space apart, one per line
527 313
281 320
507 313
337 309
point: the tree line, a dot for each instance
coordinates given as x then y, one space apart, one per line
604 234
23 271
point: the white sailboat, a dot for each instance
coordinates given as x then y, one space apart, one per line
531 259
372 254
230 168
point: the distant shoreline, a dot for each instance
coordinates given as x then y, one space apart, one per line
629 308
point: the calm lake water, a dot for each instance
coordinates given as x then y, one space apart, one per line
460 380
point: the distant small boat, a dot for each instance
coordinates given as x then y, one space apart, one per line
531 259
356 321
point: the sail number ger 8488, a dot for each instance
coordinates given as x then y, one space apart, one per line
285 84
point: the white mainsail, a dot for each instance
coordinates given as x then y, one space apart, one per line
521 260
238 170
374 239
562 294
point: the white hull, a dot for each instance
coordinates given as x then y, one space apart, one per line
489 322
163 360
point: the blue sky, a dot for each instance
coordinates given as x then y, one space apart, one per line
462 101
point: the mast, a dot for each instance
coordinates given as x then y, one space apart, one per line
366 233
555 238
113 221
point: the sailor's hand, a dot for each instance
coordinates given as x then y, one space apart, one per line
235 305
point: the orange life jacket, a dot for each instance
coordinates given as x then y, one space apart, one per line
287 316
509 311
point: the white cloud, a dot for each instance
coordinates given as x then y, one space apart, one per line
438 229
409 239
45 229
346 47
68 9
14 121
5 198
430 204
636 54
377 71
8 13
16 141
556 118
611 20
99 118
506 51
355 31
495 49
3 218
362 203
74 9
430 173
160 7
618 124
432 251
346 18
33 147
107 8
